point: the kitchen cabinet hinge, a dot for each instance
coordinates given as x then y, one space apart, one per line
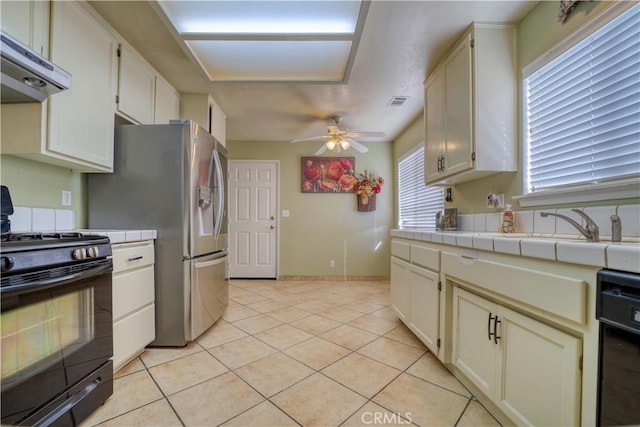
438 343
473 43
580 363
118 52
439 286
117 99
473 156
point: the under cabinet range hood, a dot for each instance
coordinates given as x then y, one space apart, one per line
27 76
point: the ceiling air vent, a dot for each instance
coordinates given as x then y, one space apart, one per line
397 101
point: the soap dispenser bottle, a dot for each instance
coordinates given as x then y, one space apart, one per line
508 221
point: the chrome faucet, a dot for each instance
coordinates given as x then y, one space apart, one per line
616 228
591 231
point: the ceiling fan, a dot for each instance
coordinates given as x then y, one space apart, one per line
339 139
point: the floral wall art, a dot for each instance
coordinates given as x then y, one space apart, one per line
328 174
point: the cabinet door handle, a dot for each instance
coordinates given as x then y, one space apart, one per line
135 258
489 333
495 330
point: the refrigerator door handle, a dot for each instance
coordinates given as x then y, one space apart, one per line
220 202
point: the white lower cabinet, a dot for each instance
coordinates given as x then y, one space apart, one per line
529 369
133 300
400 289
415 298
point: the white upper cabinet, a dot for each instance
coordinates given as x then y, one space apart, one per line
136 86
167 102
27 22
470 108
218 123
204 110
73 128
81 119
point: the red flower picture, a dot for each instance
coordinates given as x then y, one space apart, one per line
328 174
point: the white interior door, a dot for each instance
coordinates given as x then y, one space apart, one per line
253 195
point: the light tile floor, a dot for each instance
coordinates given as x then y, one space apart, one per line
288 353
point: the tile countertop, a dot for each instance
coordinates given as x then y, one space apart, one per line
123 236
623 256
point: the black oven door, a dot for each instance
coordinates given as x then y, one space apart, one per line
57 329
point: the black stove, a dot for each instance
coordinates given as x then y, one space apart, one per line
28 252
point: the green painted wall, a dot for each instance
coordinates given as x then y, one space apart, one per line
39 185
320 225
537 33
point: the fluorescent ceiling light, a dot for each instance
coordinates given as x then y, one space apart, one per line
263 17
272 60
270 41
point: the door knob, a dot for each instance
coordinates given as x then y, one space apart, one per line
272 217
273 227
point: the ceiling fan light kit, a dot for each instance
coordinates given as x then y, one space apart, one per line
339 139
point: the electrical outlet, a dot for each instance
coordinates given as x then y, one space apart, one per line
332 263
66 198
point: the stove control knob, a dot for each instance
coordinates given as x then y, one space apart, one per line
79 254
6 264
92 252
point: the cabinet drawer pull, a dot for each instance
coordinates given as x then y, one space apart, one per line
135 258
495 330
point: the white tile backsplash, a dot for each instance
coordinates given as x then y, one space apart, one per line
480 222
563 227
524 221
20 220
630 218
493 221
465 222
65 220
43 219
545 225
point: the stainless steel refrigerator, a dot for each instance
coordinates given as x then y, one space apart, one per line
172 178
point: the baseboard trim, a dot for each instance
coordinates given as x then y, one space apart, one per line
335 278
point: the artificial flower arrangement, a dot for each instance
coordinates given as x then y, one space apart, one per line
366 185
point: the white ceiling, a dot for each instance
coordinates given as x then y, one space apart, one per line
400 43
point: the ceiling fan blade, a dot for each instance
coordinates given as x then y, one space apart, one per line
357 146
321 150
364 134
311 139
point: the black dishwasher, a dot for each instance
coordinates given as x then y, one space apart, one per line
618 309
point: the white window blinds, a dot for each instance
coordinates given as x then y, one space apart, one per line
583 110
417 203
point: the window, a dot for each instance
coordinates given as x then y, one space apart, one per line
582 112
417 203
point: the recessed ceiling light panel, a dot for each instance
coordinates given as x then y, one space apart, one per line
263 17
272 61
